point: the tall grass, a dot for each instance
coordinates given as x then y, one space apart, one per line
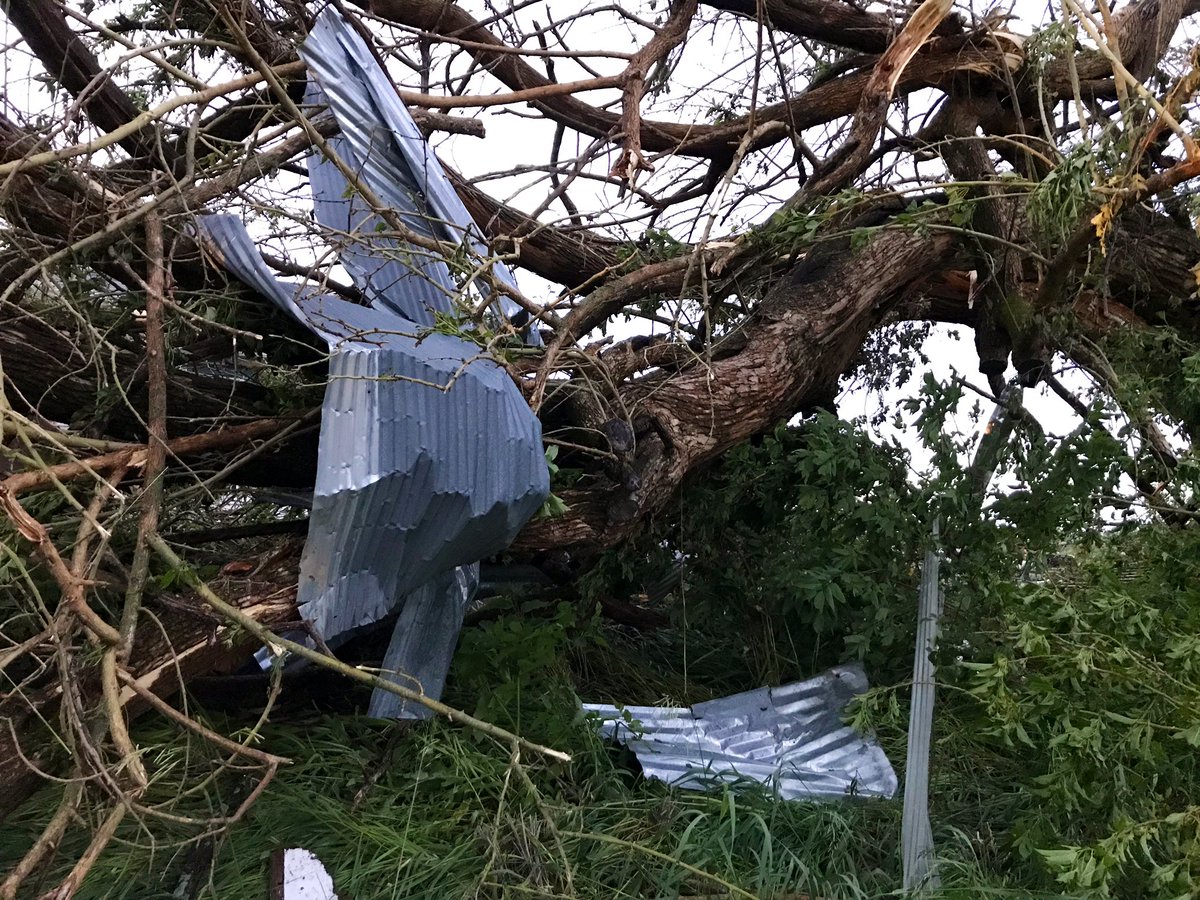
453 814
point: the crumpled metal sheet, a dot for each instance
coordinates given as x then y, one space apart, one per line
380 142
423 642
789 738
429 457
410 281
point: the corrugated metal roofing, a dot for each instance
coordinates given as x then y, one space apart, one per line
408 280
916 831
429 457
790 738
380 141
916 843
423 642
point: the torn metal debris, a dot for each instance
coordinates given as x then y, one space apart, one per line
423 642
429 457
791 739
380 142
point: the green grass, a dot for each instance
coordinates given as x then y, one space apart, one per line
1033 792
452 815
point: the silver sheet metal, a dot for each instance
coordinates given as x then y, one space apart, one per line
423 642
410 281
790 738
429 457
380 142
917 849
916 832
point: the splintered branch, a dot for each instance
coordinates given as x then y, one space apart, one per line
848 160
655 53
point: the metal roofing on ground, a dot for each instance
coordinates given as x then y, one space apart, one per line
429 457
790 738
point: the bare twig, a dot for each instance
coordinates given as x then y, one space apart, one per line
670 36
235 615
156 449
136 456
87 148
195 727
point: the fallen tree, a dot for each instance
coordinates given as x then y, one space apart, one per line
908 169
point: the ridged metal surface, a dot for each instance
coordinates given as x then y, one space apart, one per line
917 849
429 457
410 281
423 642
790 738
381 144
916 833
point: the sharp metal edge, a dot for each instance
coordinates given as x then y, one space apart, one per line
402 278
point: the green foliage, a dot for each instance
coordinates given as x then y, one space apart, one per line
889 357
513 672
449 816
1065 757
1047 44
1090 675
658 244
1058 203
654 245
554 505
1158 369
810 533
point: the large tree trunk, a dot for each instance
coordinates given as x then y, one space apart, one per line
802 339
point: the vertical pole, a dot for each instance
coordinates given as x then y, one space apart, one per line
916 832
